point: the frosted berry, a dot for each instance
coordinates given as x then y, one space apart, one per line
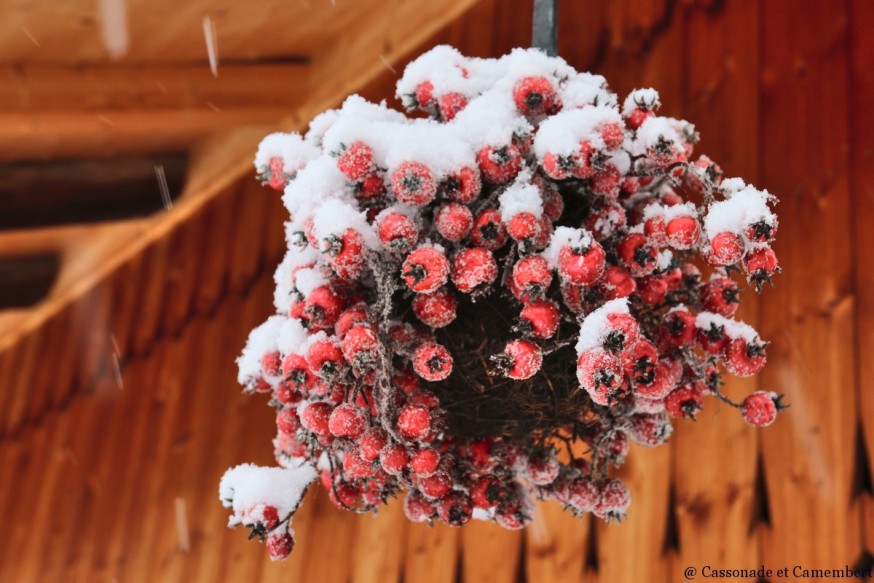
678 328
744 357
488 230
535 95
450 104
583 494
296 371
413 184
583 265
713 338
437 485
347 420
455 509
315 418
370 187
613 500
418 508
436 309
600 373
499 165
613 135
637 254
649 429
683 232
322 307
721 296
275 176
487 492
279 545
356 161
397 232
726 248
656 231
325 359
473 268
531 276
287 421
761 264
453 221
617 283
425 269
424 462
761 231
685 401
760 408
542 468
520 360
355 467
523 226
271 364
394 459
414 421
424 95
361 347
540 319
371 443
622 334
463 186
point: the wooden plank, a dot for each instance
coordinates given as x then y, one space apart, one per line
809 453
378 545
489 553
212 276
555 544
862 203
431 553
715 493
150 304
188 252
248 238
28 87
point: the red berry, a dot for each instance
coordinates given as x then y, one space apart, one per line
600 373
542 468
425 269
582 266
463 186
650 429
581 166
656 230
347 420
488 230
393 459
432 362
683 232
350 317
370 187
279 545
606 220
450 104
271 364
275 174
397 232
355 467
315 418
613 500
606 182
453 221
424 94
760 408
637 116
744 357
499 165
325 359
726 248
296 371
423 397
535 95
622 334
356 161
583 494
322 307
684 401
523 226
652 290
713 339
455 509
418 508
721 296
531 277
361 347
761 264
617 283
613 135
473 268
637 254
540 319
424 462
437 485
487 492
761 231
678 328
659 384
371 443
287 421
436 309
414 421
413 184
520 360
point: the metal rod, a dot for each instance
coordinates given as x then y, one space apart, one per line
544 31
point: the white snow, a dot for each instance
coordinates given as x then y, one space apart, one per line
595 327
291 148
335 216
647 98
292 335
562 133
733 328
521 196
261 341
743 208
245 487
308 279
657 127
565 237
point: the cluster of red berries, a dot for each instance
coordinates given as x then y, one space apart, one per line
529 187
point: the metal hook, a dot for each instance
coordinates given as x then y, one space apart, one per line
544 31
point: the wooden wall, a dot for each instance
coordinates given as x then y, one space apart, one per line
96 474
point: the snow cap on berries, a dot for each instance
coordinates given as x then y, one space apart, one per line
575 238
521 197
246 486
261 341
596 326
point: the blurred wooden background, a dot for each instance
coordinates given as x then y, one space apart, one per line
118 406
